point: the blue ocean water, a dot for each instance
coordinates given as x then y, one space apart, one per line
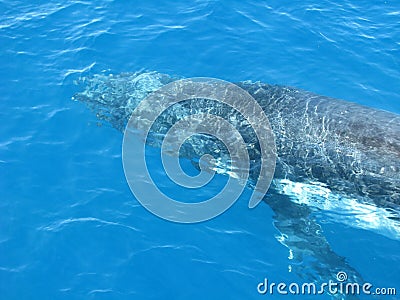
70 227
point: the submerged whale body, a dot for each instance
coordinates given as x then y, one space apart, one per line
348 148
324 147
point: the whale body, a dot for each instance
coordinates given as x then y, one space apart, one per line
338 151
350 149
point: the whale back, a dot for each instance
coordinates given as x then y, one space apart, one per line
350 147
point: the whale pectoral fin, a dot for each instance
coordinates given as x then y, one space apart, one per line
307 245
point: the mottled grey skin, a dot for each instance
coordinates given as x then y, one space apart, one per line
352 148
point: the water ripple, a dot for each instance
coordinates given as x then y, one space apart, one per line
58 226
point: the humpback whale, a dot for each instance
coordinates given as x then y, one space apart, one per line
323 144
351 149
